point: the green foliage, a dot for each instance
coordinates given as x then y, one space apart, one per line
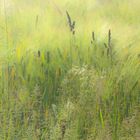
77 84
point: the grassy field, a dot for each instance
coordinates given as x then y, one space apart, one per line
69 70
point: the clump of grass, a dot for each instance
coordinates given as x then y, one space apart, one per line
82 93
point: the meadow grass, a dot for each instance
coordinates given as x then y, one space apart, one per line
69 70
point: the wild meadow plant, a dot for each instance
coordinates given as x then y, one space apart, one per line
71 90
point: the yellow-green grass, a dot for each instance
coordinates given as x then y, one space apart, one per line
56 85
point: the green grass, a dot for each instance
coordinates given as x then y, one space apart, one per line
66 81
